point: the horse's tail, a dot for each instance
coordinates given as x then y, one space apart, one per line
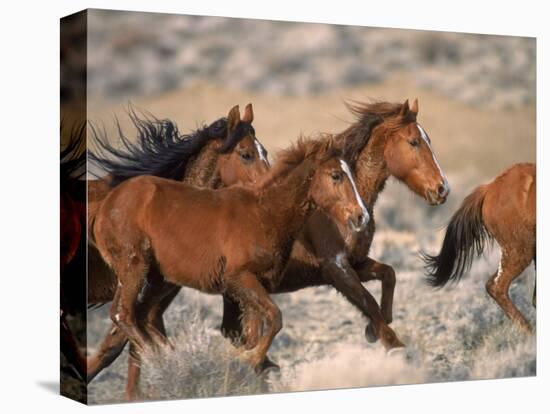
465 238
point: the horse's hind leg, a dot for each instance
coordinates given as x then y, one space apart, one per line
134 371
131 272
154 320
153 303
109 350
512 263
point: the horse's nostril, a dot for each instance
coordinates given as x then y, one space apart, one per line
359 219
441 190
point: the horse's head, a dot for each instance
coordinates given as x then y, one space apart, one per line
333 190
243 159
410 158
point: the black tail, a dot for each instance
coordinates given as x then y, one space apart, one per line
464 240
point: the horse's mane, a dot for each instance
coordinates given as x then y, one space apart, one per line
381 108
286 160
73 154
159 150
368 115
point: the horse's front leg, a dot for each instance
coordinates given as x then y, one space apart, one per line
344 278
372 270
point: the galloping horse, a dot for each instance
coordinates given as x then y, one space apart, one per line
503 210
73 251
226 152
234 241
385 141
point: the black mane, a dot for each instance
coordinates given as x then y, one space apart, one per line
73 155
159 149
357 136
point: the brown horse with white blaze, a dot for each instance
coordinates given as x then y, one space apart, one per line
385 140
225 153
503 210
234 241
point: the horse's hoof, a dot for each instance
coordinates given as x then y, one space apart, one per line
370 333
268 365
396 351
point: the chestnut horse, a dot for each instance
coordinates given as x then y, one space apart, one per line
73 251
234 241
503 210
226 152
386 140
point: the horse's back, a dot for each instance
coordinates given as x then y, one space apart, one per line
510 203
196 233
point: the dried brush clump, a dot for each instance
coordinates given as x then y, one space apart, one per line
202 364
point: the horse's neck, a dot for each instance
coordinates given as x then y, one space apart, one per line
371 170
201 170
285 203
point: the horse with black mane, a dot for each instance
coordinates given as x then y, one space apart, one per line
224 153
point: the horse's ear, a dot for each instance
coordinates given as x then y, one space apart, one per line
404 109
233 118
327 148
248 116
414 107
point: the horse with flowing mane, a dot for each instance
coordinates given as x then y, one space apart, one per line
385 140
224 153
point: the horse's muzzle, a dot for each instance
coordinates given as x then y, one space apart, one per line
438 195
358 222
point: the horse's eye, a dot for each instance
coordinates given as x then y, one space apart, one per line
247 156
415 142
336 176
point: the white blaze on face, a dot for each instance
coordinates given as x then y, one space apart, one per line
260 151
427 141
347 171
